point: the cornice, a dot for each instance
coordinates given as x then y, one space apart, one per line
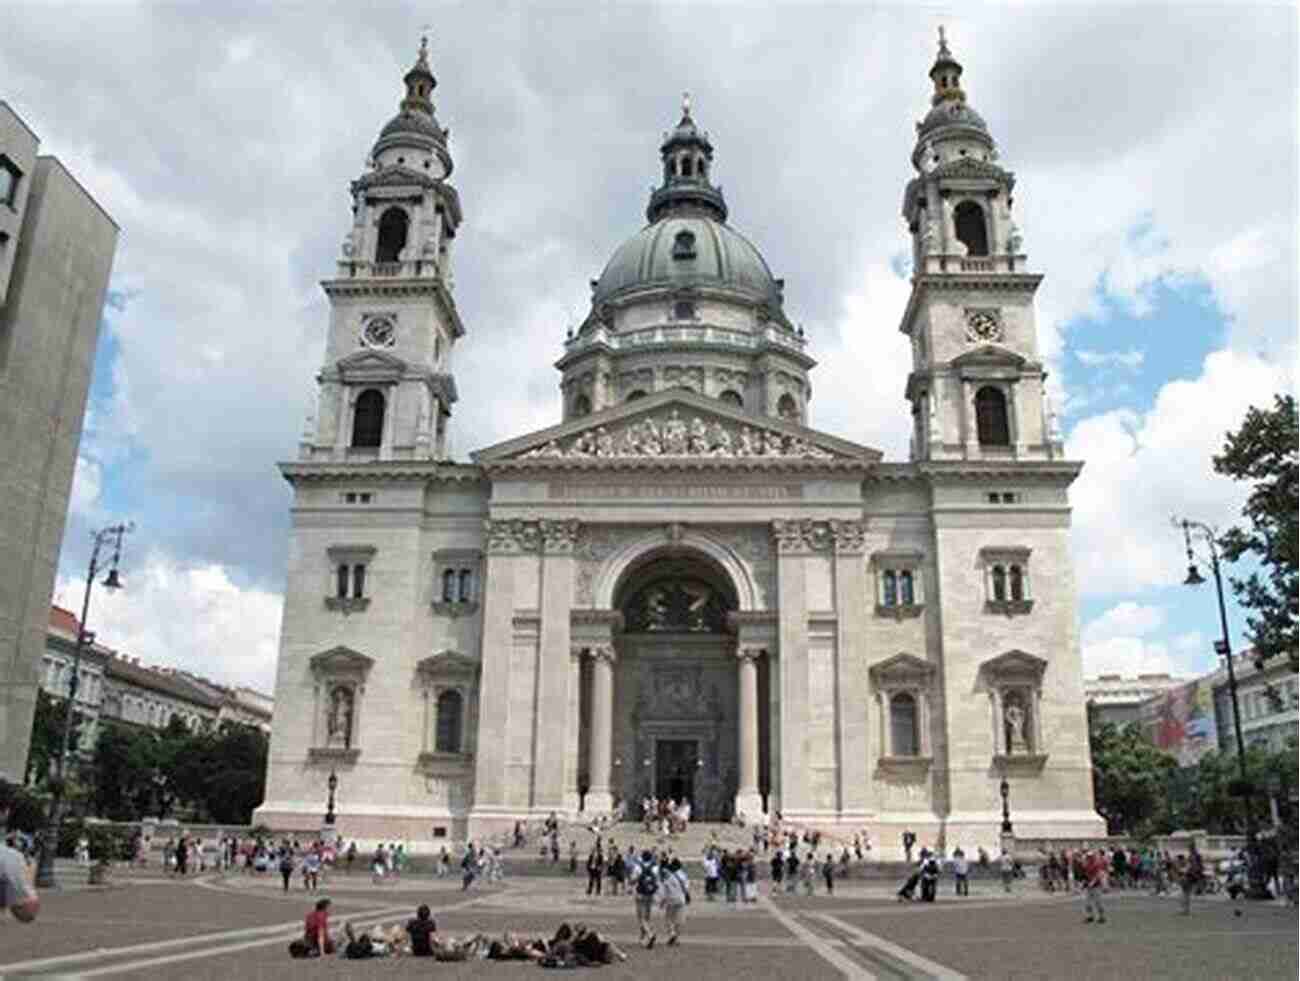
678 464
953 281
398 286
429 471
957 471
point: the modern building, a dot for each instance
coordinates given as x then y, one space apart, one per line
681 588
1117 700
56 251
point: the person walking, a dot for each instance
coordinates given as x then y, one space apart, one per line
710 875
676 893
929 877
1094 868
828 874
778 870
286 867
311 870
645 890
1192 874
595 869
1007 865
792 869
961 872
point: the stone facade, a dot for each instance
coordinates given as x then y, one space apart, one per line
683 592
56 251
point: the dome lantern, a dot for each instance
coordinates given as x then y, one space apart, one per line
415 127
687 158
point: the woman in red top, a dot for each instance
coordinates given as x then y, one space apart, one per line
316 930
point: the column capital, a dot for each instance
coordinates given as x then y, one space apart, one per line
749 654
559 536
602 652
801 536
511 535
850 536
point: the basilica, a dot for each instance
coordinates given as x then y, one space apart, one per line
681 589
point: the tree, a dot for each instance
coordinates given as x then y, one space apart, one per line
1264 452
1130 778
126 758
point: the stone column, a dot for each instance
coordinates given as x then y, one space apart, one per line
792 540
599 797
748 801
853 784
553 674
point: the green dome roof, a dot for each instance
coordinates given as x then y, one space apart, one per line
687 250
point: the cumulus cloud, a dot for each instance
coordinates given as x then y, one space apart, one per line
1126 640
1131 359
192 617
1141 468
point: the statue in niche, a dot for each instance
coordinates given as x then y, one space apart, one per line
1014 717
339 722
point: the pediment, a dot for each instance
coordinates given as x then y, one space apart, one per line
341 661
446 663
369 364
676 425
901 667
1015 663
983 355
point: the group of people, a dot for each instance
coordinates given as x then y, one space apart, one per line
664 815
571 946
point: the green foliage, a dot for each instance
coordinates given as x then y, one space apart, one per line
209 774
47 736
1130 777
27 811
1264 452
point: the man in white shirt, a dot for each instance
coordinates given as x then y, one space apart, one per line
961 871
676 893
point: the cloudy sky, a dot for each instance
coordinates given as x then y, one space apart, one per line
1155 149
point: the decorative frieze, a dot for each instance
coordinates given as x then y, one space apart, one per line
801 535
850 536
559 536
670 435
511 535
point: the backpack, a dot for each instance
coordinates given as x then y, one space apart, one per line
647 884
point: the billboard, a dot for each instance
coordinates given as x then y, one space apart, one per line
1180 721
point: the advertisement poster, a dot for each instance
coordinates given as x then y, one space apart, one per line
1181 722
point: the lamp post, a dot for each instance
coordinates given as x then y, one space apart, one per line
333 784
1257 889
45 878
1004 789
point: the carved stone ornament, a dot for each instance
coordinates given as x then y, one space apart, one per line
512 535
803 535
850 536
671 435
559 536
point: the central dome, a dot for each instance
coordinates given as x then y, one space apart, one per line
687 250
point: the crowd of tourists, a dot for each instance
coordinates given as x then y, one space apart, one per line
571 945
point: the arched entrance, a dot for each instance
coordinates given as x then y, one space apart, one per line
675 683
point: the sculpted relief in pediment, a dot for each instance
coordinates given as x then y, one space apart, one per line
670 434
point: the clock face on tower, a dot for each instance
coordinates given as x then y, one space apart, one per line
378 332
983 325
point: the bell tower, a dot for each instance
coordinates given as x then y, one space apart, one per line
386 389
977 384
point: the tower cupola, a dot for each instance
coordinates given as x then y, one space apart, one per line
687 158
413 137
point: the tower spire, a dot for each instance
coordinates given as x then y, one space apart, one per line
946 74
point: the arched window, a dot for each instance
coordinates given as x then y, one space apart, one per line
902 725
890 588
686 166
1017 583
905 591
447 739
999 584
342 590
449 586
392 235
581 406
633 396
368 419
968 220
684 248
787 407
732 397
991 417
672 167
702 167
466 586
358 581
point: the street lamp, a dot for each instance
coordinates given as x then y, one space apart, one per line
45 878
1257 889
1004 789
160 781
333 784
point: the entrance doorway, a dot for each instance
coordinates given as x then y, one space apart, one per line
675 764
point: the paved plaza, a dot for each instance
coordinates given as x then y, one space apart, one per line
238 927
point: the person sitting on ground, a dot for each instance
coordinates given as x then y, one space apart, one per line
316 930
358 947
512 947
591 948
421 931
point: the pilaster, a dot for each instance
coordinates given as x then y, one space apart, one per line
554 674
851 656
498 643
793 547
